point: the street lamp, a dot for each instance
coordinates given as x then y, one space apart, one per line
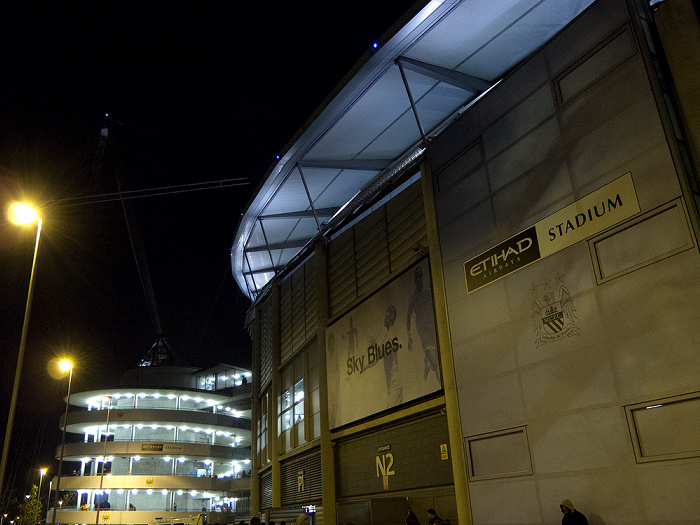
20 214
65 365
38 494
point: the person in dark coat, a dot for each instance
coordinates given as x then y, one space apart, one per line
571 515
434 519
412 519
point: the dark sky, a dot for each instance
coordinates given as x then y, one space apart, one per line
196 92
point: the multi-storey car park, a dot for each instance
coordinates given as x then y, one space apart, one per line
174 441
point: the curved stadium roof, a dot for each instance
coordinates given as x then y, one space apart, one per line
436 60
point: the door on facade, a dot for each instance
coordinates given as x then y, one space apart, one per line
379 511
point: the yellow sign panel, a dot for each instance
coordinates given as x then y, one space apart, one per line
580 220
443 452
588 216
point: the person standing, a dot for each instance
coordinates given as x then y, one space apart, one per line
571 515
412 519
434 519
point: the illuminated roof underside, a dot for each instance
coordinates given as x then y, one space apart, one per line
443 57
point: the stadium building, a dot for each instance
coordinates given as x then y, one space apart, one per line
473 274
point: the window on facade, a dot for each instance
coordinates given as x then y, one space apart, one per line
206 382
291 405
286 410
262 431
299 401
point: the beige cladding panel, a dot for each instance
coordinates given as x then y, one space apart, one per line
607 316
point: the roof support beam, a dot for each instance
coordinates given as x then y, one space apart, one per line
413 104
267 269
267 244
294 244
352 164
308 196
301 214
249 272
449 76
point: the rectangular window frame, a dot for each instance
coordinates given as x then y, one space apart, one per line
634 430
469 440
262 430
622 32
291 404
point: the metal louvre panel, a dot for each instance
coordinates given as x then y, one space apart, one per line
266 490
298 308
414 445
310 295
286 336
363 256
406 219
292 492
342 288
372 251
265 344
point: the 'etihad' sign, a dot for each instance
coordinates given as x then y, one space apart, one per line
580 220
162 447
512 254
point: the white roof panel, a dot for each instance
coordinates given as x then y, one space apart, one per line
370 117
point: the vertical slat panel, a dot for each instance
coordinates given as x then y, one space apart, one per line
285 319
342 288
371 250
310 466
265 343
298 308
310 297
383 242
266 490
406 219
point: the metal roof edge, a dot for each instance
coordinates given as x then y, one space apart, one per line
421 17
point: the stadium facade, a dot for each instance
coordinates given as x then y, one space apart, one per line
473 274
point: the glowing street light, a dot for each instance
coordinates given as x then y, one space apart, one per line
20 214
38 494
66 366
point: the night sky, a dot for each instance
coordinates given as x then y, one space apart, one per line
195 92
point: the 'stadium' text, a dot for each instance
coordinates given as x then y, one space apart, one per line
580 219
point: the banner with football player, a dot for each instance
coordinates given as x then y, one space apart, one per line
384 353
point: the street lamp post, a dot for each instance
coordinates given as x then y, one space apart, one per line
38 494
65 365
20 214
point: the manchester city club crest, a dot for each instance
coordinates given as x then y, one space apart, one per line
553 311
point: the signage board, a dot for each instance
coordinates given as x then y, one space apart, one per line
383 353
151 447
162 447
597 211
